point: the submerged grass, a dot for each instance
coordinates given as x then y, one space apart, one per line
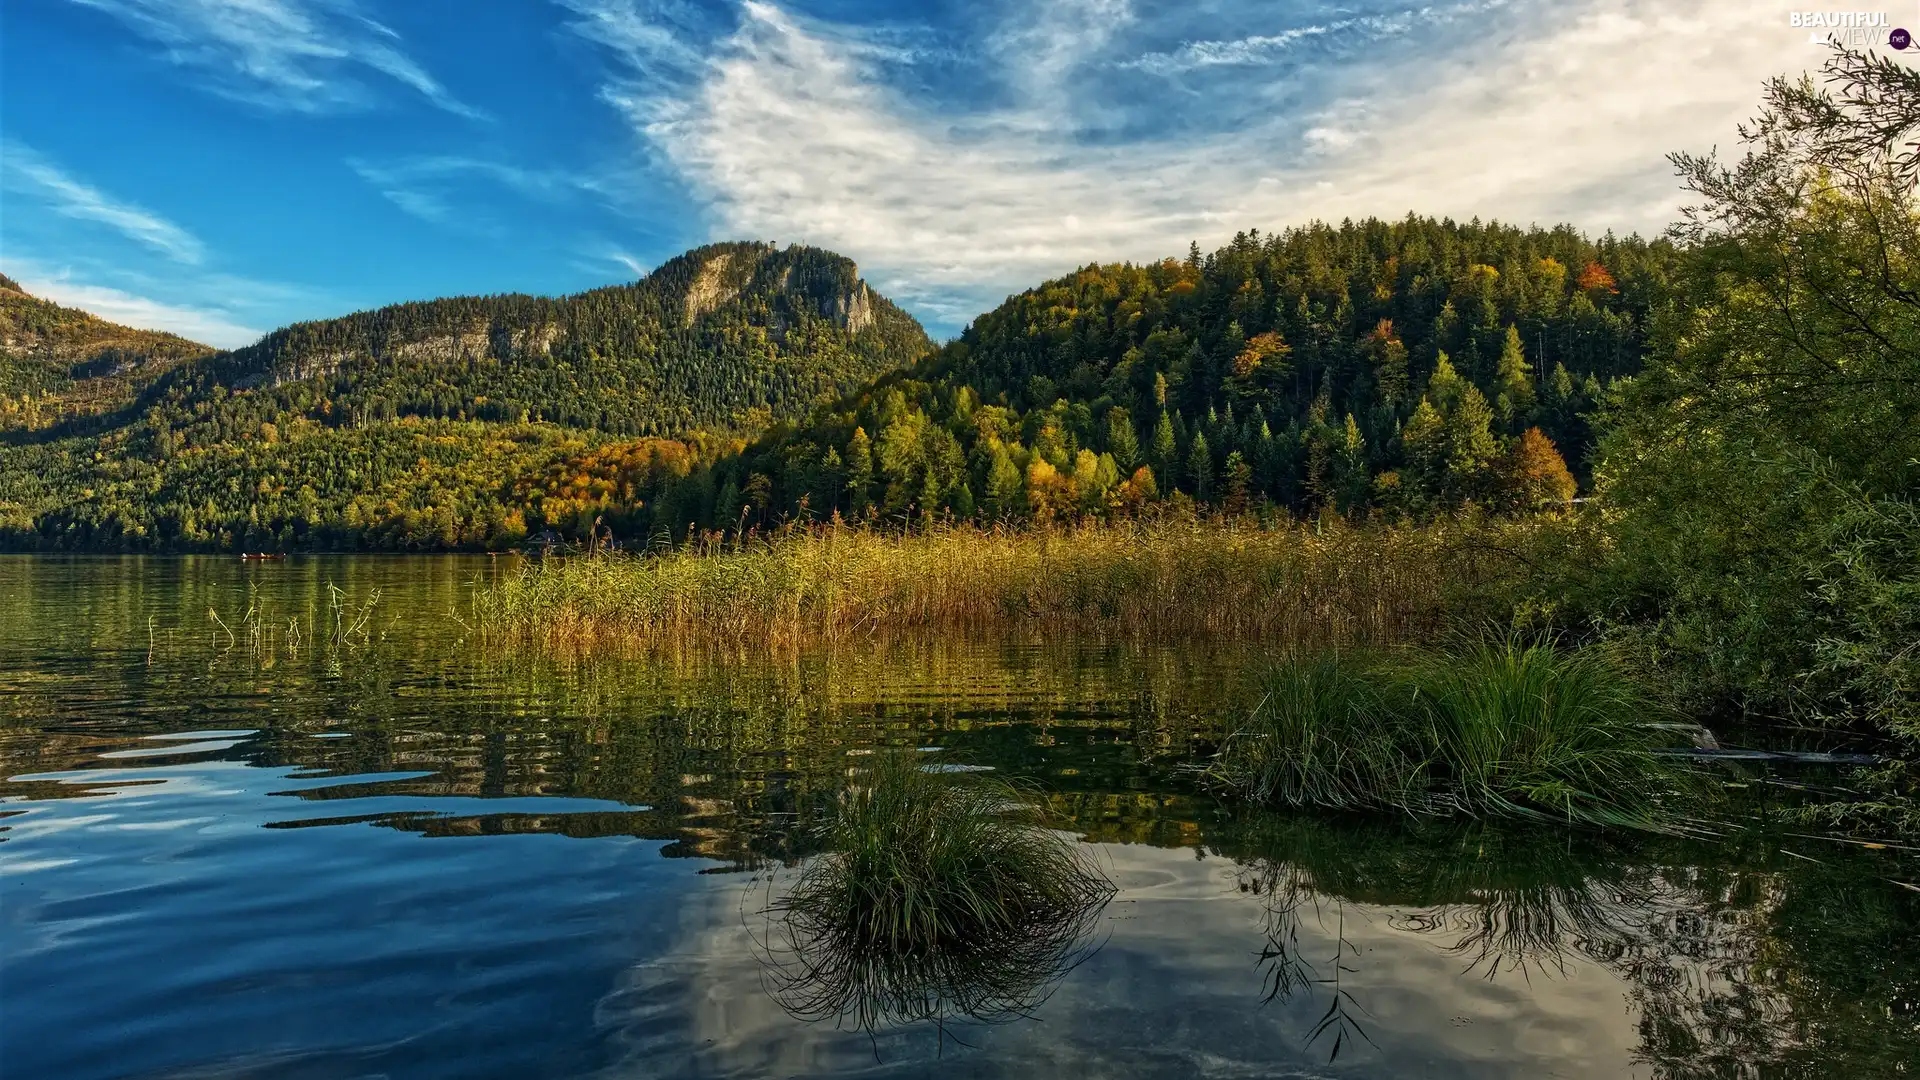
1503 729
944 897
1325 582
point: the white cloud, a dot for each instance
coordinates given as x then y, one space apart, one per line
284 54
208 325
27 172
1256 49
789 131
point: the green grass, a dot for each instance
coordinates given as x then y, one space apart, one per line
943 897
1502 729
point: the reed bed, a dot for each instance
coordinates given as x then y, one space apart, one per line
944 897
1500 729
1323 583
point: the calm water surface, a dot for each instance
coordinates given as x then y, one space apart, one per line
292 820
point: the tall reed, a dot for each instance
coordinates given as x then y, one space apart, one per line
1320 582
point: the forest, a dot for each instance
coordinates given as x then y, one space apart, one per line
1395 369
419 425
60 364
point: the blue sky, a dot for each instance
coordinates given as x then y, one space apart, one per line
222 167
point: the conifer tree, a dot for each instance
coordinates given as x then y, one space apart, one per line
1424 440
1471 447
1200 467
1165 449
859 472
1121 441
1513 380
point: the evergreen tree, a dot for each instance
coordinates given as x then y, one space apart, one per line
1200 467
1165 449
859 472
1471 447
1424 440
1121 441
1513 380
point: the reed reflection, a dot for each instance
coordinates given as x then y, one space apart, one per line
943 898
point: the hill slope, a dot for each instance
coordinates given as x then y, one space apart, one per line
723 338
60 364
1383 367
416 424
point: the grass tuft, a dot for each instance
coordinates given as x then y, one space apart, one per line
943 897
1504 729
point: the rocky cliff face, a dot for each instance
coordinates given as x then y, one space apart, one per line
854 309
710 287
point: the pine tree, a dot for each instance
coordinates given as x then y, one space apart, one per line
1121 441
1445 385
1424 440
1004 485
1165 449
1354 479
1239 484
1513 380
859 472
1200 467
1471 448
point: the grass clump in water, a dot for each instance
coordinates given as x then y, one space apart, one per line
1506 729
944 897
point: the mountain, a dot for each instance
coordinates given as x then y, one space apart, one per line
426 424
1395 368
59 365
724 338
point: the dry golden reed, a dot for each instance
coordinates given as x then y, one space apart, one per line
1324 583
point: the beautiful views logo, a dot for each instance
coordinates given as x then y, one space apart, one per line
1854 29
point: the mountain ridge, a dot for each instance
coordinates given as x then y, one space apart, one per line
480 392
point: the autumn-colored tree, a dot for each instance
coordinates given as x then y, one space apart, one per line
1389 356
1595 279
1534 474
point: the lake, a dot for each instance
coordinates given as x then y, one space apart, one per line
296 819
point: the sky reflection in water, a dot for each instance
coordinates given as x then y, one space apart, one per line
409 857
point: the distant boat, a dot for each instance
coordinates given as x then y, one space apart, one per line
247 556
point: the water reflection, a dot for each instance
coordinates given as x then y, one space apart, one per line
441 861
1727 949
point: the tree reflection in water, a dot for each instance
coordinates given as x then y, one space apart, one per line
1741 959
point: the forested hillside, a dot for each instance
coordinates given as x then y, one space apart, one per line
1398 368
61 365
426 424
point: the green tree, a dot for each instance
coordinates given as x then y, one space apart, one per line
1513 381
1200 467
1471 447
1121 441
859 472
1760 474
